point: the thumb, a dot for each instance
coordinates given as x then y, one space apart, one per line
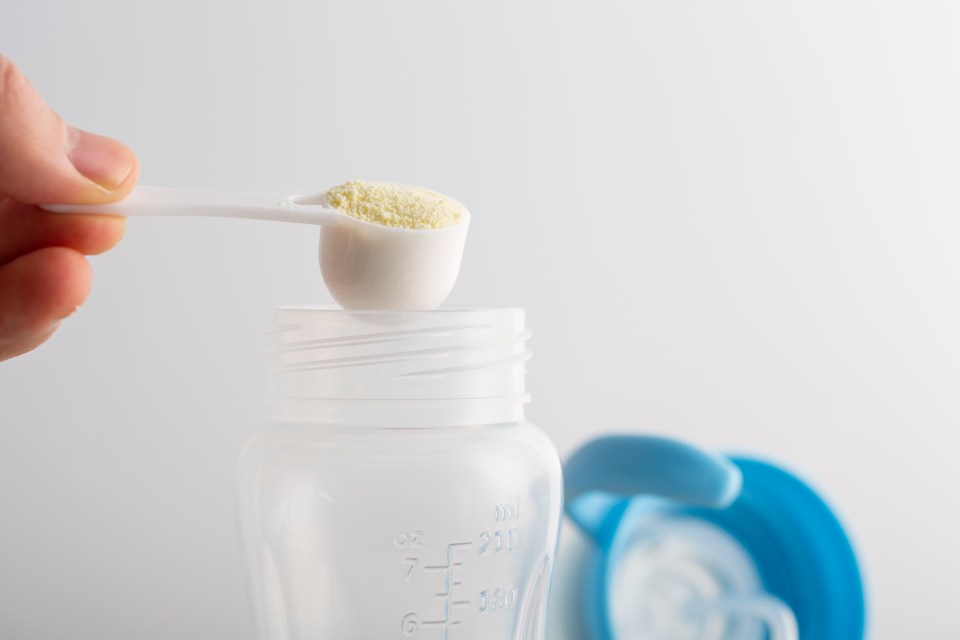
43 160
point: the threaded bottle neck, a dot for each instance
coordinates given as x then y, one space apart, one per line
406 369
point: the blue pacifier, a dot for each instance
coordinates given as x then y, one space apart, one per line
688 545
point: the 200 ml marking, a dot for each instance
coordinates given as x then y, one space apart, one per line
499 541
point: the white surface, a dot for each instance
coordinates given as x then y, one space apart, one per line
774 266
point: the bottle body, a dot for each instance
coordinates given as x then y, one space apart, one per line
432 533
399 492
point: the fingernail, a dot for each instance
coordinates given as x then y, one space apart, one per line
75 309
69 314
101 159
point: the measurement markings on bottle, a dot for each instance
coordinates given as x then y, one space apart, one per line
504 537
450 592
493 600
494 542
408 540
509 510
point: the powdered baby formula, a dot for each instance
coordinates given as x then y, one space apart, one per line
396 205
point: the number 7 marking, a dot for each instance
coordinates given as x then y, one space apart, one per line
411 565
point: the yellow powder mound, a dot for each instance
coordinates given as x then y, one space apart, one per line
395 205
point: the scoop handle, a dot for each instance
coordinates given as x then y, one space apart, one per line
165 201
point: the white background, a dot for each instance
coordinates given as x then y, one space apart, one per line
731 221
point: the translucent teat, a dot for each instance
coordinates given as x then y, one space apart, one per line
779 620
681 578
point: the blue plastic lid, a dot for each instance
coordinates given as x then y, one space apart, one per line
617 487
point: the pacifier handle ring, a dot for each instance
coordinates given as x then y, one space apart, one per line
605 471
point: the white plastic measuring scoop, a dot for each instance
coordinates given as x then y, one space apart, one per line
365 265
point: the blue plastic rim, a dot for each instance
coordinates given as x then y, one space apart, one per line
800 549
802 553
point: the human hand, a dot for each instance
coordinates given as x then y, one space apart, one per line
43 275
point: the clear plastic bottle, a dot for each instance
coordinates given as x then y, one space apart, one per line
399 492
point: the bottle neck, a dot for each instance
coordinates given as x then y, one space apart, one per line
400 369
400 414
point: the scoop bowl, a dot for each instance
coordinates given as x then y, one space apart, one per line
371 266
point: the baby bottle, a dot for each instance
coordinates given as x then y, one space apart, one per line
399 492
